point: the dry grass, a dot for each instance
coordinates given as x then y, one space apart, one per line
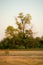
22 58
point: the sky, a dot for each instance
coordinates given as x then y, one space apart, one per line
9 9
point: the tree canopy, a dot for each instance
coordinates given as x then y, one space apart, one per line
21 38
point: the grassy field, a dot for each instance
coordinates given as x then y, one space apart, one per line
21 57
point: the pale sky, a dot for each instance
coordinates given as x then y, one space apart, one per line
10 9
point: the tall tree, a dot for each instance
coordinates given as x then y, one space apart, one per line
24 19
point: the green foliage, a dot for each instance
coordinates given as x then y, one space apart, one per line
21 42
20 38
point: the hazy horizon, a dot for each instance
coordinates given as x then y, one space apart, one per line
9 9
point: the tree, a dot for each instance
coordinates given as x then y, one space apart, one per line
20 37
29 32
24 19
11 31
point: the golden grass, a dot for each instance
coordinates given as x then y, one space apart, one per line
23 59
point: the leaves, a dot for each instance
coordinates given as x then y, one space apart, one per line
20 15
27 18
23 20
11 31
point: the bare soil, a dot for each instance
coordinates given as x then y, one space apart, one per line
21 57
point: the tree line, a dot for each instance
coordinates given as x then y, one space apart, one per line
20 37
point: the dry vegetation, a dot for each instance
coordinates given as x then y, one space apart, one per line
21 58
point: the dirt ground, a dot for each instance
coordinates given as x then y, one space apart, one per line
21 57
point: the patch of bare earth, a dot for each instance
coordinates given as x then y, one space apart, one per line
22 58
